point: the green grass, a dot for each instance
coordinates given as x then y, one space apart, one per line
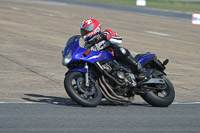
184 6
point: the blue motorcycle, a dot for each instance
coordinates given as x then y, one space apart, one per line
93 75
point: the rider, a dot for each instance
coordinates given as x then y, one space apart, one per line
98 41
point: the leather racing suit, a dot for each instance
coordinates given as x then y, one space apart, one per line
108 38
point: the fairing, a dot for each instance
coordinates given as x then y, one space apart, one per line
77 53
146 59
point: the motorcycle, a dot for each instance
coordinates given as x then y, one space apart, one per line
93 75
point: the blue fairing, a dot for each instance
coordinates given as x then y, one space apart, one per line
77 52
146 59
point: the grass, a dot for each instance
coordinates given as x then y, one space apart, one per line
185 6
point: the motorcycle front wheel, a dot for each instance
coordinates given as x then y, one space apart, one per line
74 84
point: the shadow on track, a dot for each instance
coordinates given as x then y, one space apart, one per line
68 102
49 99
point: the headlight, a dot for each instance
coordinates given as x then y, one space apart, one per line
67 58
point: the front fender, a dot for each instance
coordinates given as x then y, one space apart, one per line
83 70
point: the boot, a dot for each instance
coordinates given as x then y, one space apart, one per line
142 74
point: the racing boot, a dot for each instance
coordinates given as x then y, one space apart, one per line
125 55
142 74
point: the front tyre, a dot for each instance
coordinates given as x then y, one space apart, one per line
75 87
161 98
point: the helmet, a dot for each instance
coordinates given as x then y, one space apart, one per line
89 28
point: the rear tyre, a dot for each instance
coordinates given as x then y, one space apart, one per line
75 87
161 98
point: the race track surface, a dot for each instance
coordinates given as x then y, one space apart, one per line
44 117
33 34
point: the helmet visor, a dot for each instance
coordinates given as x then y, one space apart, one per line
87 30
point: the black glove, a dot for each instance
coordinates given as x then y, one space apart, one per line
95 39
103 36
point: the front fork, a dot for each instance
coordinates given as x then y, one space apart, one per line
86 75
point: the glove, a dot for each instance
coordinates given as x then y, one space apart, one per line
103 36
97 38
94 40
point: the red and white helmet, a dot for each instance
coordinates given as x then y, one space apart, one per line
89 28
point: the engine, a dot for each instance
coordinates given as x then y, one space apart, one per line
122 75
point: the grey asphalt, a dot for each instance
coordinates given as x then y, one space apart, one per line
67 117
138 10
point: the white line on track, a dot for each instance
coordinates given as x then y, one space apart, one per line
186 103
48 14
15 8
175 103
156 33
19 102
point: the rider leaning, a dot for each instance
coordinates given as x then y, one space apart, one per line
98 41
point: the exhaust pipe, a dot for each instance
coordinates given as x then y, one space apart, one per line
107 90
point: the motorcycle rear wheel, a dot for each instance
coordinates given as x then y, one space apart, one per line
161 98
75 87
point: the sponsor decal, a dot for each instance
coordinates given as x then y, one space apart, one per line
95 56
